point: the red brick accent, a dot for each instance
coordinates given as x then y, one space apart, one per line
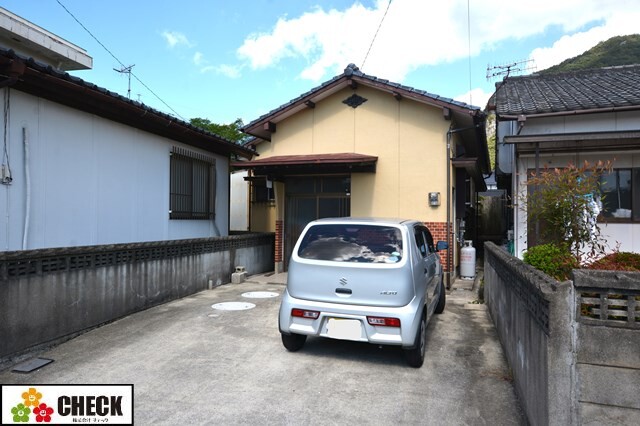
279 238
439 233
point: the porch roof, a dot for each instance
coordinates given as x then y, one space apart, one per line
280 165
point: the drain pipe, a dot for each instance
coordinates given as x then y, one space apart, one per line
27 176
449 248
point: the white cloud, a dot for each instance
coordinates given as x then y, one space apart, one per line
573 45
477 97
230 71
174 38
416 33
198 58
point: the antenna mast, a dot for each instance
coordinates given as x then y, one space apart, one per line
126 70
507 69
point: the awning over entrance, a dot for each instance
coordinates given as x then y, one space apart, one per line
283 165
470 164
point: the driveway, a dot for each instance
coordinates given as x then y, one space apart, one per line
191 364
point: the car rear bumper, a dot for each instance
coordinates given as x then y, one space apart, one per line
349 322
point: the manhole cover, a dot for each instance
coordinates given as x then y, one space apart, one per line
233 306
260 294
31 365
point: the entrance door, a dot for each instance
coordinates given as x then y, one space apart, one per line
311 198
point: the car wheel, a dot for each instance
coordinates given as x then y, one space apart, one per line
442 300
415 356
293 342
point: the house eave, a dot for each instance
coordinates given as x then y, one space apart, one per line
570 142
309 100
59 87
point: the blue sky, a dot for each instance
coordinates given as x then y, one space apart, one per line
224 60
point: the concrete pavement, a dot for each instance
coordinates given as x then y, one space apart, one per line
191 364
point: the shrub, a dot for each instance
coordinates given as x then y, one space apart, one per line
619 261
564 202
554 260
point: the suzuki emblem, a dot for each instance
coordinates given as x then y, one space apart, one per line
343 281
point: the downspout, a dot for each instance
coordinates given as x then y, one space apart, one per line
27 176
449 248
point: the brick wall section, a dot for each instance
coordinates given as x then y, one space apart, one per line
279 241
439 233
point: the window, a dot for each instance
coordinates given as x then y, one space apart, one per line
193 185
620 203
261 192
422 246
352 243
429 239
424 240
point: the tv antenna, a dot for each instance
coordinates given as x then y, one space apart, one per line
510 68
126 70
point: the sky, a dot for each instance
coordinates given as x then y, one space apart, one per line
224 60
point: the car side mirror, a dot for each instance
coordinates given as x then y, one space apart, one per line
441 245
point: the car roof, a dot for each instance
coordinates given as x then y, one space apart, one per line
366 220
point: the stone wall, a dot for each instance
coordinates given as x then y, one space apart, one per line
50 295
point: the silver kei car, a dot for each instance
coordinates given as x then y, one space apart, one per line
366 280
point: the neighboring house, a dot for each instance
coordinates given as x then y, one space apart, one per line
358 145
551 120
84 166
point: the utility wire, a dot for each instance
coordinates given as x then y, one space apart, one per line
469 39
375 35
118 60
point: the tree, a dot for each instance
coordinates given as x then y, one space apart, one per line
491 138
566 202
229 131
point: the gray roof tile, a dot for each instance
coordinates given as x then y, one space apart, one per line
581 90
353 70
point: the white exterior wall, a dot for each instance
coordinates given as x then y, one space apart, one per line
93 181
626 236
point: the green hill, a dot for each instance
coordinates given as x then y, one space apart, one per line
621 50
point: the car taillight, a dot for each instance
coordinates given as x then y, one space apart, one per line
384 321
302 313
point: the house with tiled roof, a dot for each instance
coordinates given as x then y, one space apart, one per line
551 120
358 145
85 166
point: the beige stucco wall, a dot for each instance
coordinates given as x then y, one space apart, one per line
263 217
409 139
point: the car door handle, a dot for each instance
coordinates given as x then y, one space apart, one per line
343 290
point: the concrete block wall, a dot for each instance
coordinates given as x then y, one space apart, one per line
531 313
608 347
574 350
53 294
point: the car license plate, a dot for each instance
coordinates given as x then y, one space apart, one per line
346 329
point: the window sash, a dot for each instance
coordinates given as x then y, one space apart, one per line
618 189
192 185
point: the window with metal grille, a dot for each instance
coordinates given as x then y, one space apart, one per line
193 185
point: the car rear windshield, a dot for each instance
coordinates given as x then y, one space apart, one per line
352 243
